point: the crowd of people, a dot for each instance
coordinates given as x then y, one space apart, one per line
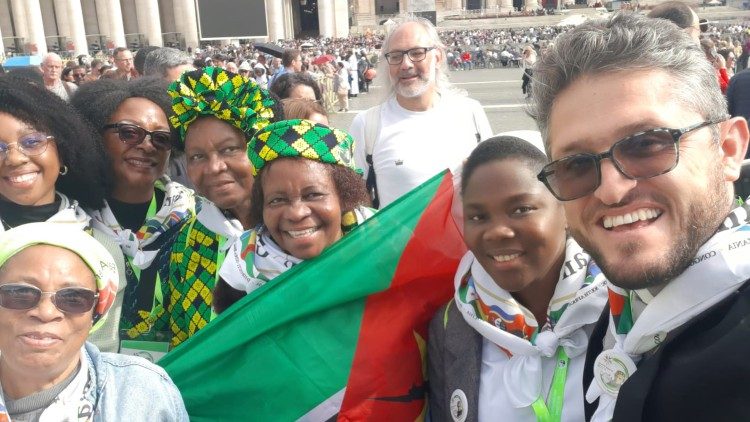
605 277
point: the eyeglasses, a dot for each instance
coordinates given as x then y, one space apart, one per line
416 54
133 135
639 156
71 300
34 144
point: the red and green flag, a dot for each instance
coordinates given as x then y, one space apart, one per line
339 337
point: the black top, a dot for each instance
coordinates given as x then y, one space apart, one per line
132 216
13 214
700 373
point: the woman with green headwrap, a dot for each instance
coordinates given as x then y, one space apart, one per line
307 195
216 113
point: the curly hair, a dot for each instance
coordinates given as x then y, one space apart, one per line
98 100
350 188
77 144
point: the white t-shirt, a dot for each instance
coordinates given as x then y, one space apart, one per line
494 405
415 145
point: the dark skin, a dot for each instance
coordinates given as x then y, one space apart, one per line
516 230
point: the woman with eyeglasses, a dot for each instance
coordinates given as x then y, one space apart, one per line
216 113
143 210
511 344
48 307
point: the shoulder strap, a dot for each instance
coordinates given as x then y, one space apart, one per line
372 132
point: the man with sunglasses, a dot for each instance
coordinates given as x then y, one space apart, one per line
643 156
424 126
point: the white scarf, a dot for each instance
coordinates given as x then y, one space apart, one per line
68 213
178 206
582 303
255 259
215 220
72 404
722 260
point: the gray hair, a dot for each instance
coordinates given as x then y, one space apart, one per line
161 60
441 77
627 42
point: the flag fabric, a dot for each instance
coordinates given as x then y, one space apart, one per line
339 337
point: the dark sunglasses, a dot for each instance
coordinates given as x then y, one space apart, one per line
639 156
133 135
71 300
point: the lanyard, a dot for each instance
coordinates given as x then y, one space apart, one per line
220 255
551 411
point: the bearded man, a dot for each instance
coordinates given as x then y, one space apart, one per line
643 155
425 125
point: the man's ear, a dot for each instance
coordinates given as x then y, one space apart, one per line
734 140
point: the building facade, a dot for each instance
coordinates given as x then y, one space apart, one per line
75 27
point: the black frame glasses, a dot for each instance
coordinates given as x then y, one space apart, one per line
70 300
416 54
133 135
29 145
642 155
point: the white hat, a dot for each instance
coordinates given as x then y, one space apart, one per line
245 65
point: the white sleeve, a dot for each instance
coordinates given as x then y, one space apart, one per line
485 130
357 130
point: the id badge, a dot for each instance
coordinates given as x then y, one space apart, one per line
152 351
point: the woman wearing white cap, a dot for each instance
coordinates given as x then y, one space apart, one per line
48 372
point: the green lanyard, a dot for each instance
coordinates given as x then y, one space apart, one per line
551 411
220 255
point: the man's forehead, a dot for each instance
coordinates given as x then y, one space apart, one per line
126 54
410 35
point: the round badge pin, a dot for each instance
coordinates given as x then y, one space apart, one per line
459 406
611 369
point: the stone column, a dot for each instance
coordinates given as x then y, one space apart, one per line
530 5
148 21
35 26
77 32
491 5
341 18
326 20
275 16
506 6
62 17
2 45
117 30
19 19
102 19
186 20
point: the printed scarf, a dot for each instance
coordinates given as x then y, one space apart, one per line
578 301
73 404
255 258
178 206
722 259
69 213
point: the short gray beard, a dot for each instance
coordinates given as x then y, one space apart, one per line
704 218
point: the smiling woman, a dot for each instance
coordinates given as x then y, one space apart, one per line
144 210
216 113
525 296
304 199
47 307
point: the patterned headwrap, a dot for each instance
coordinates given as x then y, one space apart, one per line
212 91
301 138
96 257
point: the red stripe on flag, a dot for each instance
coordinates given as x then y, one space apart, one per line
387 379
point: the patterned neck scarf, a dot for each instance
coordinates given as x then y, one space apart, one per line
255 258
579 298
722 259
69 212
178 206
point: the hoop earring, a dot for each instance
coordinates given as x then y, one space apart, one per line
63 170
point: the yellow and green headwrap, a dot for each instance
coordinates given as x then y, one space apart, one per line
212 91
301 138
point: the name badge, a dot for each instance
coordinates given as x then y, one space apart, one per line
152 351
611 369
